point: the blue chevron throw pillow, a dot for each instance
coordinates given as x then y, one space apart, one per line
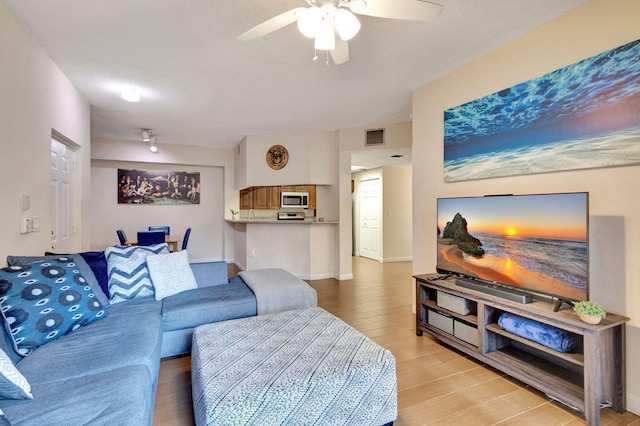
128 273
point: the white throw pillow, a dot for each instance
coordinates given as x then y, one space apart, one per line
13 385
171 273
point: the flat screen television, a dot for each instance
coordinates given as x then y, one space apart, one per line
537 243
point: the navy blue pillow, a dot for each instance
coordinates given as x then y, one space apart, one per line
98 264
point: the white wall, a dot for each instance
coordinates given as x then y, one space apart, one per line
206 219
310 153
396 212
36 98
351 140
597 26
211 237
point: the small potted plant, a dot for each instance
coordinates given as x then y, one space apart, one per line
233 213
589 312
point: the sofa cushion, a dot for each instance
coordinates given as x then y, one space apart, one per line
45 300
210 273
209 304
170 273
85 269
128 273
130 335
123 397
13 385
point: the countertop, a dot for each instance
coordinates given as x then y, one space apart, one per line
274 221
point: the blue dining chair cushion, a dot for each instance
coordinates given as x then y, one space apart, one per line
165 229
151 238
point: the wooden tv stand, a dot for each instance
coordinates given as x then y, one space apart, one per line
586 380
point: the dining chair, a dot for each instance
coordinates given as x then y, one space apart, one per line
185 240
165 229
121 236
150 238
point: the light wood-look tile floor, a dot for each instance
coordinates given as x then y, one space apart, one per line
436 385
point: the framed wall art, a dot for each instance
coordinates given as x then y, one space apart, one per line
158 187
585 115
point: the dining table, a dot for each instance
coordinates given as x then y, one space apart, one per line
171 240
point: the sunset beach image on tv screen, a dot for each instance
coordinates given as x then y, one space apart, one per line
532 242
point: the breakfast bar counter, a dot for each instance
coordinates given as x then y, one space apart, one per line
303 247
272 221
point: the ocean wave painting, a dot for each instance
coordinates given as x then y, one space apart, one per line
585 115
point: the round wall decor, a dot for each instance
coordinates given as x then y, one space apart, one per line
277 157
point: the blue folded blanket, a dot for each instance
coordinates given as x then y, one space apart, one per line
545 334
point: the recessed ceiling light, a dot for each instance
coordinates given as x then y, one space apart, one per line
356 168
130 95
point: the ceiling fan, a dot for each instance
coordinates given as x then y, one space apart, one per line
324 19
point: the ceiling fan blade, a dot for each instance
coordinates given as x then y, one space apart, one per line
272 24
410 10
340 54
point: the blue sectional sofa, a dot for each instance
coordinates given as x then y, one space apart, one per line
106 372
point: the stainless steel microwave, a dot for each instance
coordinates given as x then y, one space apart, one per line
299 200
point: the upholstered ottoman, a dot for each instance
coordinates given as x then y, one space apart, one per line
300 367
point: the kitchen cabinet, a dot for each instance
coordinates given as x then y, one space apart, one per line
246 199
295 188
260 198
268 197
273 195
311 189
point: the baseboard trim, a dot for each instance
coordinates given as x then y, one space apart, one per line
397 259
319 277
633 404
345 277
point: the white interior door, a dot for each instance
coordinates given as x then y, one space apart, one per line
61 192
370 207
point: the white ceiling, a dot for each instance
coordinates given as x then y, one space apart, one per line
201 86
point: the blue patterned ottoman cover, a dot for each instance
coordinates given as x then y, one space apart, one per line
301 367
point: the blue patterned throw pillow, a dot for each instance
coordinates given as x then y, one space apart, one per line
128 273
44 300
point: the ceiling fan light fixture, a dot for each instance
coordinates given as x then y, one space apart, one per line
326 37
310 21
152 145
146 133
130 94
347 25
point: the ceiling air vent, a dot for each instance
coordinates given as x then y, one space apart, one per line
374 137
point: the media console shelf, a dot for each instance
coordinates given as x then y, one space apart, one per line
591 377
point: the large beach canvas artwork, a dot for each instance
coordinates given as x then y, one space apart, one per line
585 115
533 242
